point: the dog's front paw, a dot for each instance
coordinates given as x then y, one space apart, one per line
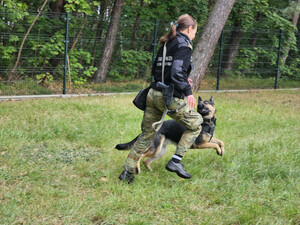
220 151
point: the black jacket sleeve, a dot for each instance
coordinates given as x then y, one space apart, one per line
180 68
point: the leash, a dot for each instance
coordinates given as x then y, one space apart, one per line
157 125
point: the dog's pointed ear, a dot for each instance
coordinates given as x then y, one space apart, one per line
200 106
199 99
212 100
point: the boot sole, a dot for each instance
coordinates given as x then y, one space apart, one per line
178 174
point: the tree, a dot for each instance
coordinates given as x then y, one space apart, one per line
12 73
99 32
242 15
209 39
43 50
260 21
109 41
231 50
294 8
136 26
57 7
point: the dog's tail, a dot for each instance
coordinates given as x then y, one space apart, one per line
128 145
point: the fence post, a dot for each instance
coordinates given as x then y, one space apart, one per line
220 60
154 46
66 53
278 60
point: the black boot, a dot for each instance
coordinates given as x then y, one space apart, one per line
178 168
127 176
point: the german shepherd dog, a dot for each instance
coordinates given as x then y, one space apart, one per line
170 133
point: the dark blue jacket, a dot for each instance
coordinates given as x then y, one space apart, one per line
178 65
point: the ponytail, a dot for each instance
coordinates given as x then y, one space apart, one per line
169 36
183 22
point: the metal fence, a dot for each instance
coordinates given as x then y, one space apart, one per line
68 50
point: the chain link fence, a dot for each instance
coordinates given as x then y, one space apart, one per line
243 59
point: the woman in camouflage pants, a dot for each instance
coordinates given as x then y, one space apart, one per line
178 64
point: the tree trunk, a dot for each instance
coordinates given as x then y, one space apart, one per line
13 72
253 39
109 41
231 50
209 39
254 36
79 33
57 9
99 29
135 27
294 22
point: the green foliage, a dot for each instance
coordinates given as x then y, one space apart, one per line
47 77
7 52
53 48
131 65
291 70
44 45
43 50
12 12
262 20
27 86
83 6
79 73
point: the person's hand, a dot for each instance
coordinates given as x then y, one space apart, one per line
191 101
190 81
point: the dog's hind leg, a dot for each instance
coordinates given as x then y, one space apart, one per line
149 153
158 152
148 161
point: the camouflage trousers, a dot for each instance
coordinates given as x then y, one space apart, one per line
153 113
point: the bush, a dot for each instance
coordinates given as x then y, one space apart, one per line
131 64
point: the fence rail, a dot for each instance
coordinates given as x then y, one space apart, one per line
58 45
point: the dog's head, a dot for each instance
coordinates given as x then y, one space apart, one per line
206 108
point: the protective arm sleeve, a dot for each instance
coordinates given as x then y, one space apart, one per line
179 71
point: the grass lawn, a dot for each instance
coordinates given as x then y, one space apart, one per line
31 87
58 164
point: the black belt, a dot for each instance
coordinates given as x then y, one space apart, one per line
153 85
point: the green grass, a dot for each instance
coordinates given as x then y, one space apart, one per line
58 164
26 87
30 87
239 82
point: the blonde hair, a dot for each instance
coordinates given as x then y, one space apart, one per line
183 22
